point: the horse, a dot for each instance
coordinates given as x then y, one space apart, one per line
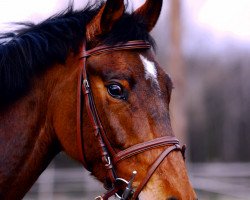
86 82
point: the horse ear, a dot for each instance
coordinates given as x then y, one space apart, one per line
103 22
150 12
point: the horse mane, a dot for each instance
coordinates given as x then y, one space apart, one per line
33 48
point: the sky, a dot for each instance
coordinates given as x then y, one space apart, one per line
219 19
28 10
224 18
216 26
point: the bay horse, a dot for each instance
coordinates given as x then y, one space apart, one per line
86 82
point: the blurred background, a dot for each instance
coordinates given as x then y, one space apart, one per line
205 47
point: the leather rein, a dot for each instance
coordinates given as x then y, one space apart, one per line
109 156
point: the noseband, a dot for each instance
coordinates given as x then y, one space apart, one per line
109 156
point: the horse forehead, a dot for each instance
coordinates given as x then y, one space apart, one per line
138 66
150 70
137 63
129 60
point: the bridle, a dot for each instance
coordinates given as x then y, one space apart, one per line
109 156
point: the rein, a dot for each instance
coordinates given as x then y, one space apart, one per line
109 156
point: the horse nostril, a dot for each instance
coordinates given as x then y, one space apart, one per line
172 198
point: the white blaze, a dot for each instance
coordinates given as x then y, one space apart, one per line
150 69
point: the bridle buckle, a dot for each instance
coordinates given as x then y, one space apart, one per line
108 161
128 192
86 86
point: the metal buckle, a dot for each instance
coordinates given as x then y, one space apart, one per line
86 84
128 190
108 160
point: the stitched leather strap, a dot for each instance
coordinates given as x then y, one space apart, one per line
136 44
145 146
103 143
79 135
154 166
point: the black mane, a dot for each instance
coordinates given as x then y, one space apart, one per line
34 48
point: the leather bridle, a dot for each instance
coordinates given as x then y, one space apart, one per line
109 156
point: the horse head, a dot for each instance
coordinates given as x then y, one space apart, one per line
87 83
131 94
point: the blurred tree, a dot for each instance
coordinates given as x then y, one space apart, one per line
219 111
177 72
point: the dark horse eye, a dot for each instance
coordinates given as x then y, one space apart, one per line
116 91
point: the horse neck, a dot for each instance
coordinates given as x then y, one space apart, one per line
28 143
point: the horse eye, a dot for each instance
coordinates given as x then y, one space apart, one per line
116 91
